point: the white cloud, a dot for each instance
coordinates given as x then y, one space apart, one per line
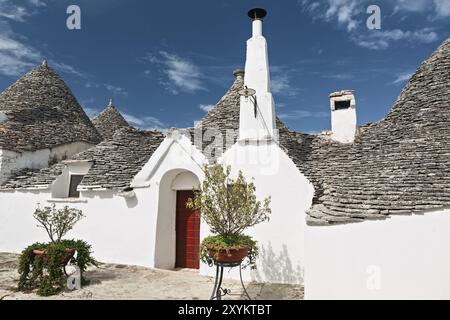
111 88
116 90
206 107
37 3
438 8
280 84
351 14
442 8
379 40
343 12
65 68
411 5
12 11
15 56
180 74
403 77
146 123
301 114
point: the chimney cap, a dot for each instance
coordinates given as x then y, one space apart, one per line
239 72
341 93
257 13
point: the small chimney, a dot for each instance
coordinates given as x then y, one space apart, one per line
257 119
343 116
257 15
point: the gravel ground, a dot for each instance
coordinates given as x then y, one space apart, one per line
113 281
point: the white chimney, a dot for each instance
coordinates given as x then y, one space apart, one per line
343 116
257 113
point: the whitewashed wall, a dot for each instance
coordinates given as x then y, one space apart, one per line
129 231
11 161
115 227
281 240
141 230
405 257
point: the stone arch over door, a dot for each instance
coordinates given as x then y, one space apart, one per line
172 184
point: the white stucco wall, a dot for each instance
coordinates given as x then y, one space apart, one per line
405 257
141 230
257 77
137 231
11 161
281 240
116 228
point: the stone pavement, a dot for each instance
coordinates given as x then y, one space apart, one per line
113 281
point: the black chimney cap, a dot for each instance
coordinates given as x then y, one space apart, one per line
257 13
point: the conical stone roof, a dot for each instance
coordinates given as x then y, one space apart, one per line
109 121
399 165
39 111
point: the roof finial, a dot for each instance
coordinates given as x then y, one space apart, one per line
110 103
45 63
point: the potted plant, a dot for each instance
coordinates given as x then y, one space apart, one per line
57 223
42 265
229 207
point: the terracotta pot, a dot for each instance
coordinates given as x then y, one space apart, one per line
64 260
232 255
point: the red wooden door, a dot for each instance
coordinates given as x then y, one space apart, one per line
187 233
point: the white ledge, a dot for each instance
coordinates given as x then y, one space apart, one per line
67 200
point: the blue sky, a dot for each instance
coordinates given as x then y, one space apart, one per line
164 62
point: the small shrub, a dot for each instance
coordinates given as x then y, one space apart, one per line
229 207
45 272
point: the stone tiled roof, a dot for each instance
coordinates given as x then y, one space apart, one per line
41 112
118 160
218 130
115 162
109 121
399 165
33 178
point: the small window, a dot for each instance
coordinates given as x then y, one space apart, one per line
75 181
341 105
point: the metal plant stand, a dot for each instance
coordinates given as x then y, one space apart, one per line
218 292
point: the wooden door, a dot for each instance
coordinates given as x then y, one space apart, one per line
187 233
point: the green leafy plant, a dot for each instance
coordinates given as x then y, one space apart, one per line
229 207
57 222
45 271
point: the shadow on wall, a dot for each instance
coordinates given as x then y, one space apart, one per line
276 268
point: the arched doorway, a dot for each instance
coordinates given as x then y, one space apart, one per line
178 228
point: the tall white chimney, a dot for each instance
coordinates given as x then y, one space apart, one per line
257 113
343 116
